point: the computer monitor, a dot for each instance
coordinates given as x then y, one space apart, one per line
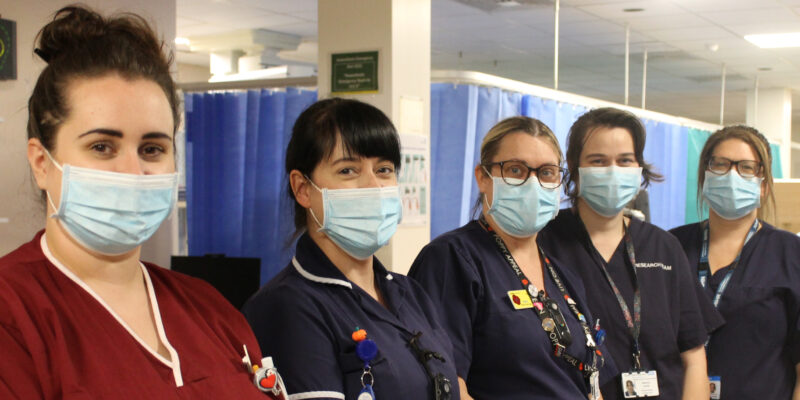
237 278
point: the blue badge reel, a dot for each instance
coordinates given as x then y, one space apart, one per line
366 349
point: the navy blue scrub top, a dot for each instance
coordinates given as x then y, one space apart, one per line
304 318
501 353
756 352
676 316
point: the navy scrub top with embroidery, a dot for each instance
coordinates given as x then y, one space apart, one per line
757 350
304 318
501 353
676 316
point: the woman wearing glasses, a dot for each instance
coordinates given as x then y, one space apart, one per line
637 279
518 322
749 269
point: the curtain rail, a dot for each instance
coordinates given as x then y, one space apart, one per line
465 77
305 81
482 79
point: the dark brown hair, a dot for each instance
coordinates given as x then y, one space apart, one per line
80 43
606 117
759 144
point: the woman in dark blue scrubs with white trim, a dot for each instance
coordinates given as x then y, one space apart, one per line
518 322
637 280
749 269
336 322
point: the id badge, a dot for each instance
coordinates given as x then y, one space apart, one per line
520 299
594 384
641 384
715 384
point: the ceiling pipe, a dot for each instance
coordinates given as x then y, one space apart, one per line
627 59
722 96
644 78
556 10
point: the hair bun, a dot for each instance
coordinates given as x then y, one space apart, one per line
70 29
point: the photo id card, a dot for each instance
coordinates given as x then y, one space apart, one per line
715 384
642 384
594 384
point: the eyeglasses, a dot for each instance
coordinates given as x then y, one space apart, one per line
516 173
745 168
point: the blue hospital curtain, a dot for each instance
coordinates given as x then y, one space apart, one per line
558 116
696 140
236 196
460 117
665 149
777 169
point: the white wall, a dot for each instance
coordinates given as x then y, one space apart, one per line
20 203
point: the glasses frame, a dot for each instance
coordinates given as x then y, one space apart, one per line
562 171
732 164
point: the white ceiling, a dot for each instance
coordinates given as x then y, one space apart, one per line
683 75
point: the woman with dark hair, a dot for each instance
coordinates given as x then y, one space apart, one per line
748 268
637 279
80 315
519 322
348 328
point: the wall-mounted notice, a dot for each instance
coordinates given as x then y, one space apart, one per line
413 178
354 72
8 49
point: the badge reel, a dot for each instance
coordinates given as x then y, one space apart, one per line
366 350
266 378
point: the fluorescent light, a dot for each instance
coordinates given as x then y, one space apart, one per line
182 41
775 40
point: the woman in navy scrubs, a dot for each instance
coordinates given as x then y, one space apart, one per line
506 307
637 279
749 269
337 323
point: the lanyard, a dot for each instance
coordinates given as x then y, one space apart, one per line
634 321
704 270
558 347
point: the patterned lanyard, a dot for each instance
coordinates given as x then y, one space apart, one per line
704 269
634 322
541 298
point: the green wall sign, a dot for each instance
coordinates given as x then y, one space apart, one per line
354 72
8 49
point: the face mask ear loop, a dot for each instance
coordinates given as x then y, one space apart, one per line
50 199
485 201
311 209
53 160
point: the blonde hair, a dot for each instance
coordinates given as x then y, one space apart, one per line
533 127
759 144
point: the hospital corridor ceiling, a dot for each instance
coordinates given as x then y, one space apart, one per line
687 42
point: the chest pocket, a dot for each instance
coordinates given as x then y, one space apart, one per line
754 309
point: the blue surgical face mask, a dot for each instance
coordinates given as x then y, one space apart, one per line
608 189
730 195
523 210
109 212
360 221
